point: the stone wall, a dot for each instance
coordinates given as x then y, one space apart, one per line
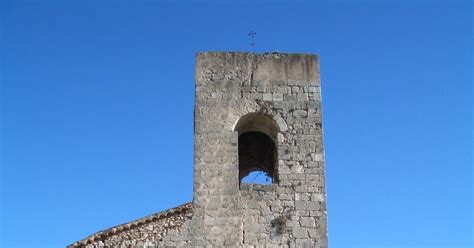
275 94
286 88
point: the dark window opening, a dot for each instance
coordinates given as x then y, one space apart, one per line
256 154
257 149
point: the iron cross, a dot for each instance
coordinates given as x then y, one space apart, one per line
252 34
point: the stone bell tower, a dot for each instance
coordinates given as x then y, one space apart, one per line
253 112
258 112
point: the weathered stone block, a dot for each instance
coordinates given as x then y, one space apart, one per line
267 96
300 233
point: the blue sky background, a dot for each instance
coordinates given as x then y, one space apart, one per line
97 112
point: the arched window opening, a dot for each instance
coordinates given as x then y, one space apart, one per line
257 149
256 154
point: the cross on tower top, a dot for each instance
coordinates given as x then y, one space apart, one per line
252 34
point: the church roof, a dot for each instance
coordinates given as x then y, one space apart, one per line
168 218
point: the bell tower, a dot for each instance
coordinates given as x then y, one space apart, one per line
258 112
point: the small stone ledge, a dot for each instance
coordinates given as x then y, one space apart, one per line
258 187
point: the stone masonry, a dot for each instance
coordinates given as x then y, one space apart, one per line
253 112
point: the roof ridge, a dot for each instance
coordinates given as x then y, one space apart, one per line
128 225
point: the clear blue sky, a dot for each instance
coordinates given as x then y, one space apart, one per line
97 112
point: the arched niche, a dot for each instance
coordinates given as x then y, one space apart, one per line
257 145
